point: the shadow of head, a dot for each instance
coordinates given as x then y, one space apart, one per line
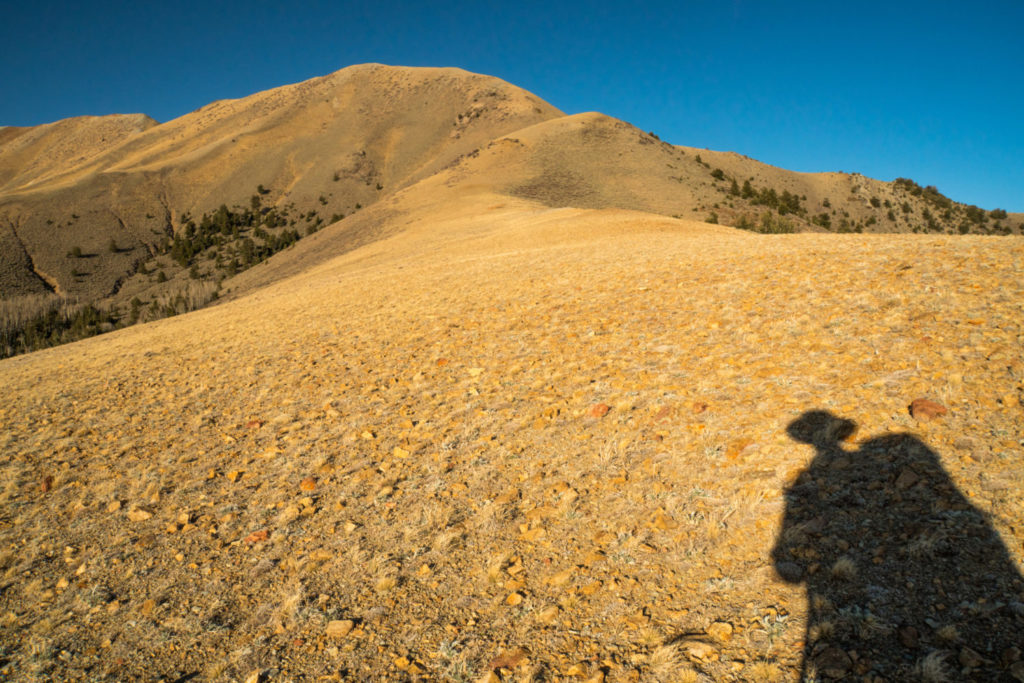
821 428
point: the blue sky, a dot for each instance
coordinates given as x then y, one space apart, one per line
932 91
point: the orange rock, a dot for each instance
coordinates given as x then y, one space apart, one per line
257 536
599 410
508 660
923 410
46 484
308 484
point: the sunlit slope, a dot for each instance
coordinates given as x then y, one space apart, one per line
331 144
33 156
502 436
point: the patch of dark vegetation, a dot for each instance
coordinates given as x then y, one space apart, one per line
217 245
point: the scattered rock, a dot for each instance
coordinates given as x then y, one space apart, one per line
308 484
907 478
923 410
970 659
702 652
46 484
833 662
508 660
963 443
720 631
139 515
599 410
339 628
257 536
789 571
909 637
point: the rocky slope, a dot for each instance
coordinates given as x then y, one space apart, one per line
516 442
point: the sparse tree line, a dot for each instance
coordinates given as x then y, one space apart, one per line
214 246
35 322
941 215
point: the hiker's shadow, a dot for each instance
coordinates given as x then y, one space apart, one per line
905 578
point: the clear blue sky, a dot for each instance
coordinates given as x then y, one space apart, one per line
933 91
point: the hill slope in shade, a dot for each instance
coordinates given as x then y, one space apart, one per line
544 442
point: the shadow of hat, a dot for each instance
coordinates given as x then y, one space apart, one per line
820 428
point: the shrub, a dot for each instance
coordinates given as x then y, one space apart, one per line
771 224
712 218
718 174
76 252
997 214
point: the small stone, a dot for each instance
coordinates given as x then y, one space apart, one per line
514 599
963 443
720 631
339 628
833 662
548 614
923 410
257 536
288 515
790 572
508 660
1017 671
139 515
970 659
114 506
909 637
489 677
46 484
703 652
255 677
308 484
147 607
907 478
599 410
